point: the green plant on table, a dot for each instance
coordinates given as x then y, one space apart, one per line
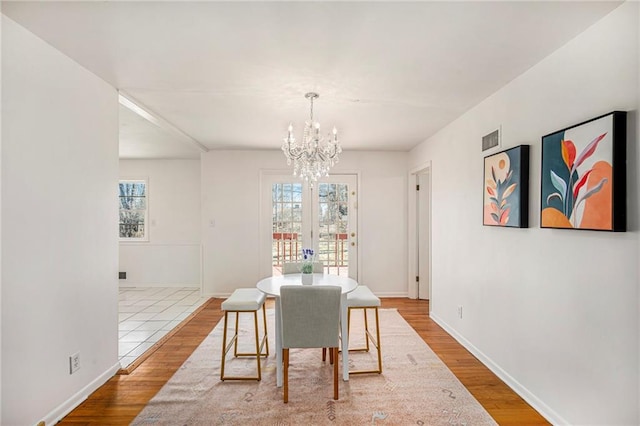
307 261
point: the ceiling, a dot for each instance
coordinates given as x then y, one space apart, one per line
233 75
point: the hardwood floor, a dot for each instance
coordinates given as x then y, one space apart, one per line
121 399
504 405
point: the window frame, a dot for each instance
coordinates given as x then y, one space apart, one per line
145 238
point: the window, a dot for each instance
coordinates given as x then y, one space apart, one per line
133 210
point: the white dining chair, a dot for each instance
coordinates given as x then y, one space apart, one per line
310 319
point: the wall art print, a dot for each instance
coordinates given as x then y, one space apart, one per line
583 182
506 188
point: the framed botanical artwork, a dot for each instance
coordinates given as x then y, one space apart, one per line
506 188
583 182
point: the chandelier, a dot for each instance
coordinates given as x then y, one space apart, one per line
313 158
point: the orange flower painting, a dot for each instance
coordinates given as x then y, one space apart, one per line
583 183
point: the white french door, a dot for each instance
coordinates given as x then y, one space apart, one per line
323 217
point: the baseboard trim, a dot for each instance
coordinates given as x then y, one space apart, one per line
124 284
65 408
393 295
542 408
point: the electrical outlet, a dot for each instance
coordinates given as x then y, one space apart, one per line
74 363
460 311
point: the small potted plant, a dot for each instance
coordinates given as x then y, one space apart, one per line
306 266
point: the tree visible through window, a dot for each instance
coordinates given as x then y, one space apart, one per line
133 209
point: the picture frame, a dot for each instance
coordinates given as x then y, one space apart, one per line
583 175
506 188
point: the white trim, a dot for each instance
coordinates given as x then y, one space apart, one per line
201 269
65 408
137 107
181 284
285 175
542 408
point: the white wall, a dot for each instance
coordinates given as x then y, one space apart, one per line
0 219
59 229
231 197
171 257
554 312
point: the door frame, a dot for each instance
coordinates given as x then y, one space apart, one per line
412 240
267 177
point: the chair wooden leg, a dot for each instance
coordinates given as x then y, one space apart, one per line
324 355
285 383
334 351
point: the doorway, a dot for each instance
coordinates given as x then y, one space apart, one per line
420 233
423 227
296 215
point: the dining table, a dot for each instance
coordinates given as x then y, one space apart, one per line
271 287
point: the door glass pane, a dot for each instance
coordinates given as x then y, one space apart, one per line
287 224
333 224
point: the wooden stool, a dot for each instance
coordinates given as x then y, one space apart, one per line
244 300
363 298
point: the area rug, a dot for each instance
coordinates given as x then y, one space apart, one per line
415 387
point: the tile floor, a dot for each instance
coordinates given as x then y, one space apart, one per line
146 314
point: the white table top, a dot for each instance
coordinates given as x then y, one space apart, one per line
271 285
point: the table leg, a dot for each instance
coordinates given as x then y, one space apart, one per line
278 321
345 338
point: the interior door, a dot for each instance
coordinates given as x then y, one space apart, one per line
423 225
323 217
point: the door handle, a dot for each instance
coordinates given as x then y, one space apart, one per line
353 234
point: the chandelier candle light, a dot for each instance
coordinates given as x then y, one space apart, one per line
313 158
